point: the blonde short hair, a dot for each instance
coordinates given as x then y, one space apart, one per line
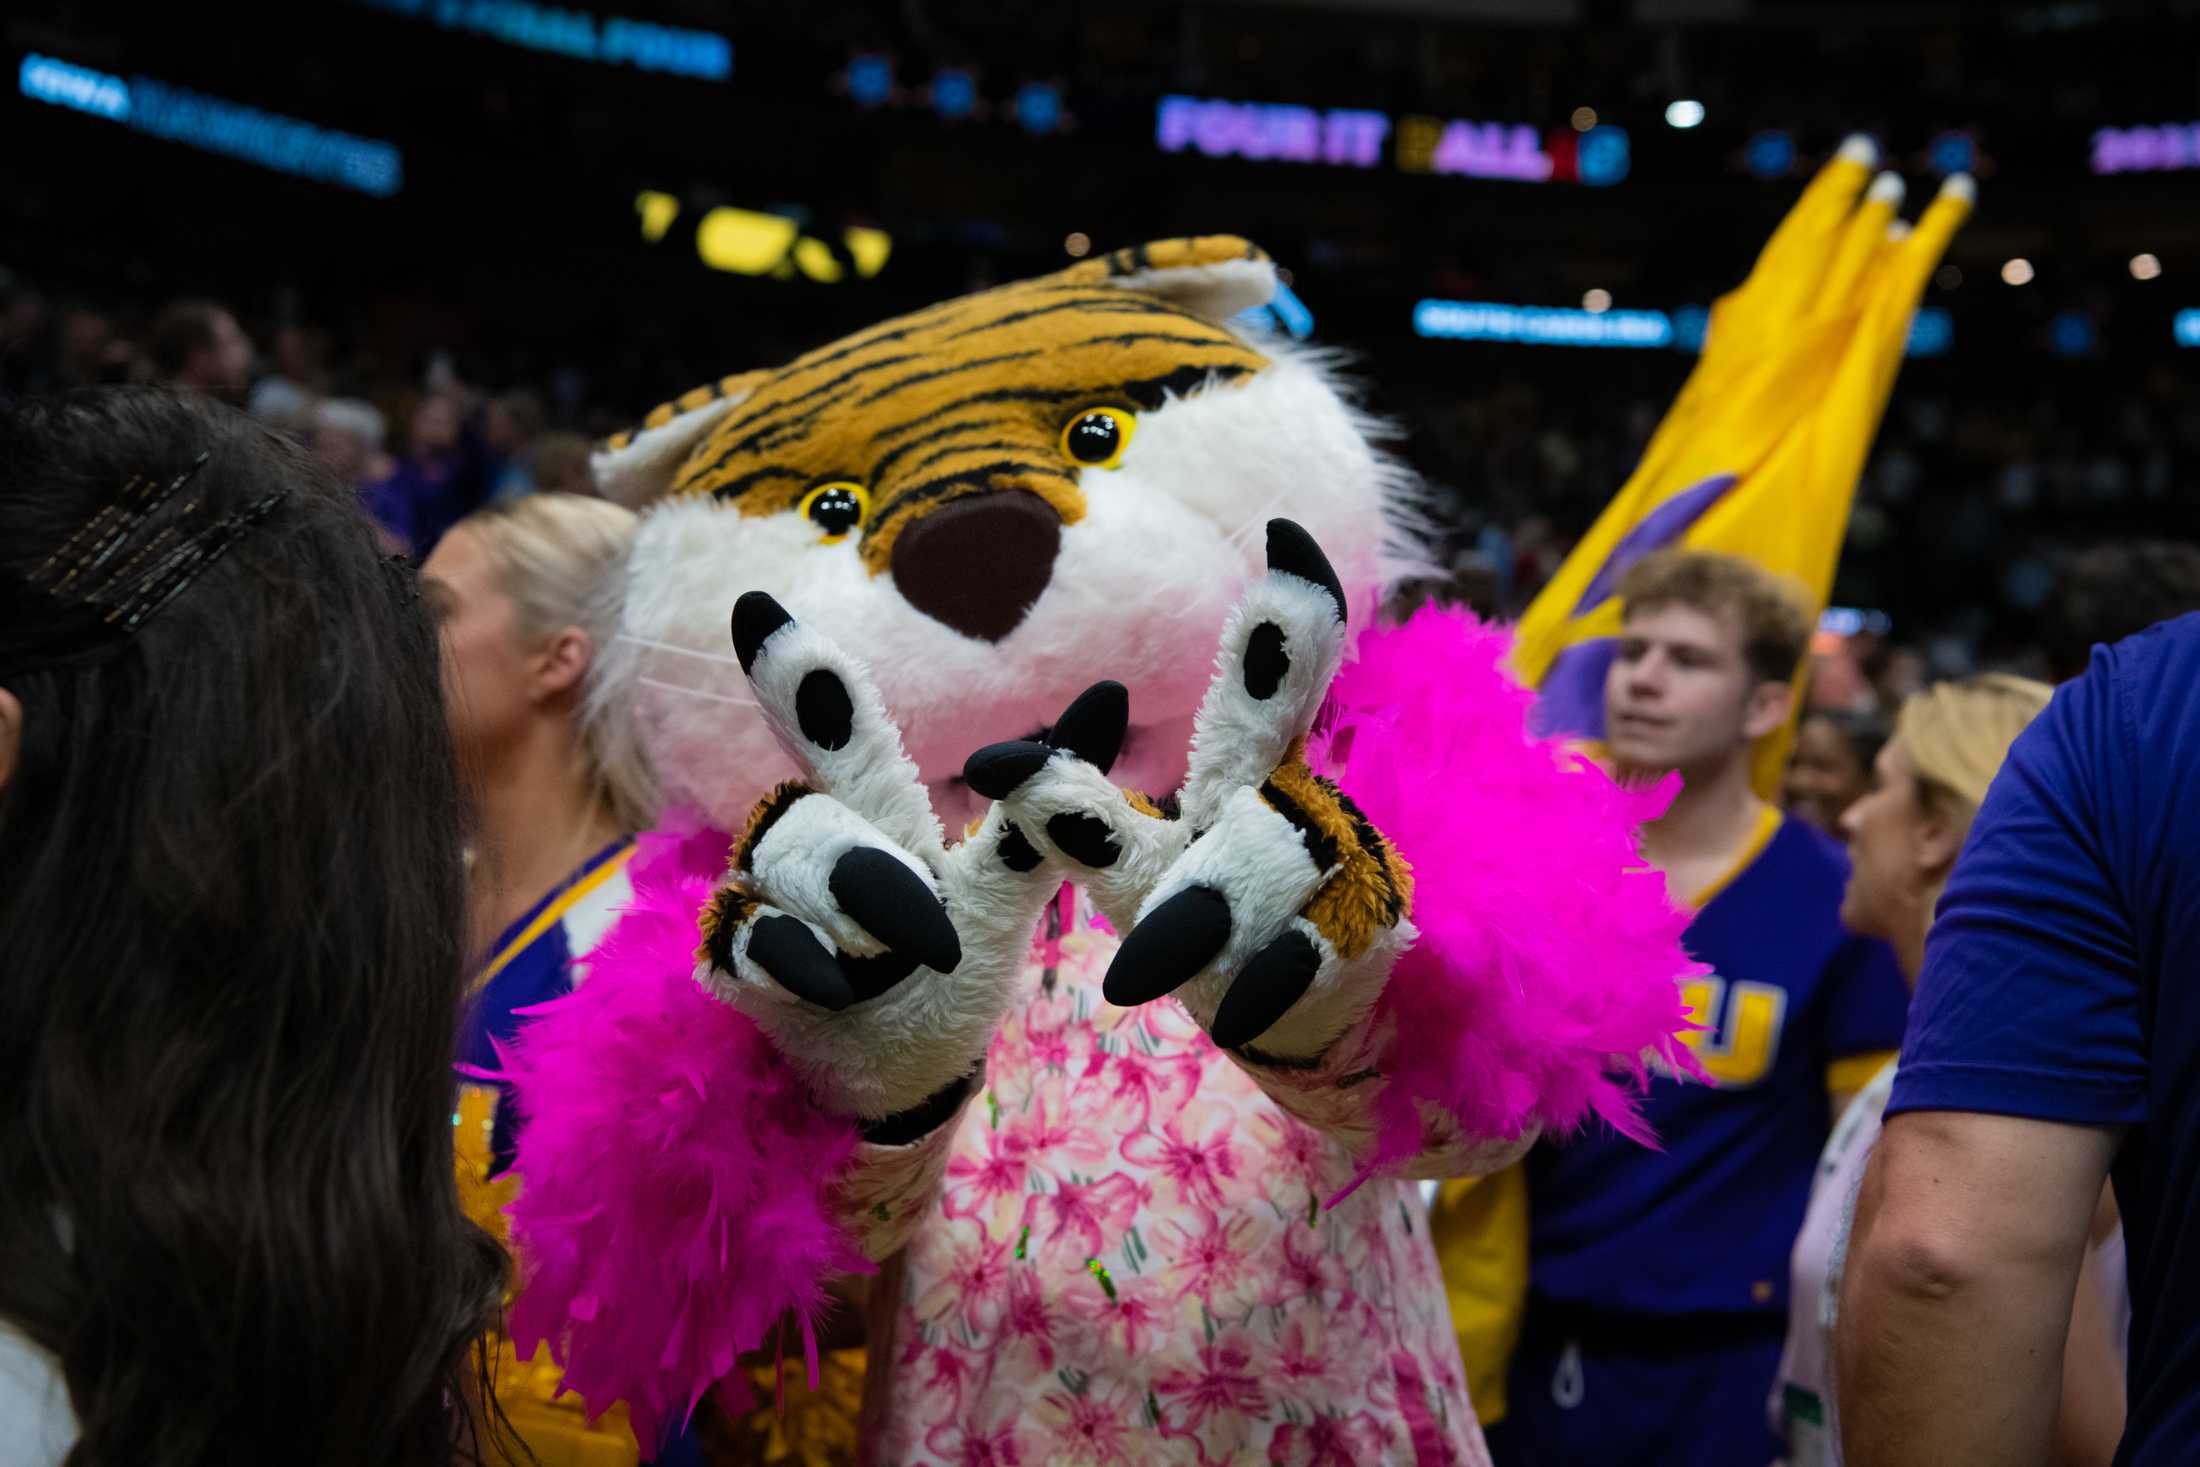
1956 735
561 559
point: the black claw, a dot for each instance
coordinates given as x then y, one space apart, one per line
1275 978
787 950
1085 839
1016 851
1178 939
1092 726
888 901
755 617
1293 551
997 769
823 708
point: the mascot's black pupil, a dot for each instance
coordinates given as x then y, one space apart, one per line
836 511
1093 438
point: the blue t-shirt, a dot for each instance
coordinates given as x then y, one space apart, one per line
1705 1226
2062 980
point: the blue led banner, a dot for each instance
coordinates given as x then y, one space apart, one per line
1932 331
269 139
611 40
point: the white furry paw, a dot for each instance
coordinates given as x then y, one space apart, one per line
1271 907
878 961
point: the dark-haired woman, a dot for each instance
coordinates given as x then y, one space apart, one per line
231 952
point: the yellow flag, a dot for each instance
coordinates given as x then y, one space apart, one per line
1759 455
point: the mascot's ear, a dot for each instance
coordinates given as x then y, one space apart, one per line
1214 275
635 467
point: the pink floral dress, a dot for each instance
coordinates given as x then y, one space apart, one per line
1120 1252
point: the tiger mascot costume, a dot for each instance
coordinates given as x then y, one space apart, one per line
1116 1098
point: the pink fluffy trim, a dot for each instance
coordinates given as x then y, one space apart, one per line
1549 959
674 1176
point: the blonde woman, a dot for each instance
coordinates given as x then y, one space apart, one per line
516 588
1904 835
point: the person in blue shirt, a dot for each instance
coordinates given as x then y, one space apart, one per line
2055 1042
1658 1280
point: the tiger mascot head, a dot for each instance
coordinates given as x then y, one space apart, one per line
993 503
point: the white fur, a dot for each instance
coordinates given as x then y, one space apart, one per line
1260 864
1066 785
792 867
638 473
1239 740
870 773
1140 591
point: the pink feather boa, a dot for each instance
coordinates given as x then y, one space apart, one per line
672 1207
675 1195
1549 952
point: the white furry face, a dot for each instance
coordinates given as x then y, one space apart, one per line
1139 592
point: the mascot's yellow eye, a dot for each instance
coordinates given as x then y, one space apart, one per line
836 508
1098 436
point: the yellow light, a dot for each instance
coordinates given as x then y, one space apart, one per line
814 258
1584 118
743 241
2145 267
657 211
1417 140
868 248
1077 244
2017 272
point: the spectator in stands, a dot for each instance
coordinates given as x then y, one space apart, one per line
198 345
2055 1039
444 473
561 464
1832 765
510 426
2117 590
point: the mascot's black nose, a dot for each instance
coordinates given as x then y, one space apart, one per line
978 563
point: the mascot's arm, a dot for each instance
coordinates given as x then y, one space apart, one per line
1440 945
733 1111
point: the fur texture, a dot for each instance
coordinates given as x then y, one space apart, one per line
1169 542
677 1182
1545 957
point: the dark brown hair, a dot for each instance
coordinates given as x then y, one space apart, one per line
233 920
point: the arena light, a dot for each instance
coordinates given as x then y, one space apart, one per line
870 80
1770 153
1264 132
1077 244
2145 267
1584 118
1596 302
214 125
1261 131
1685 113
1932 331
954 94
612 40
2162 149
2016 272
1039 107
2185 327
759 242
1540 325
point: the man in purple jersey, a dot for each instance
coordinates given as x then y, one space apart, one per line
2054 1041
1658 1280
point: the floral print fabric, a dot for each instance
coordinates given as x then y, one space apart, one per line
1128 1256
